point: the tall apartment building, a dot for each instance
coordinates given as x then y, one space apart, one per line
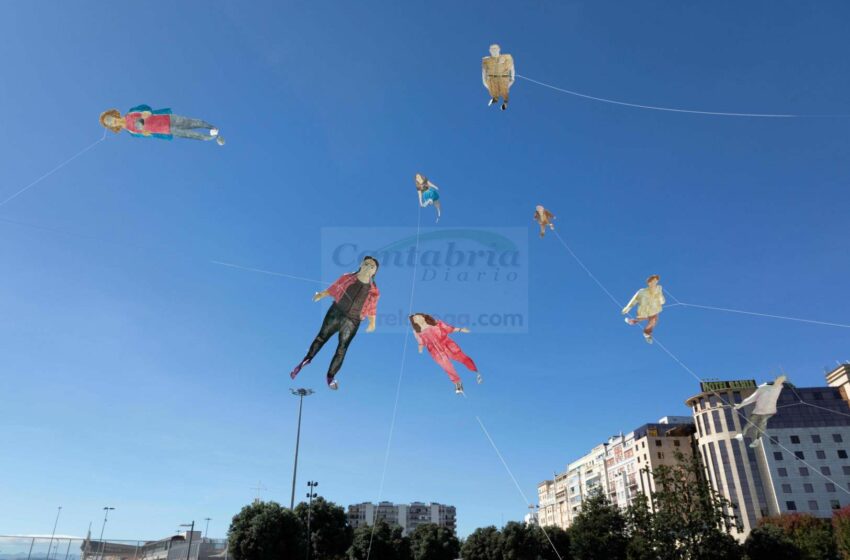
614 468
802 464
407 516
648 446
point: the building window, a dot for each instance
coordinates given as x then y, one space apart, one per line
842 454
799 455
821 454
777 455
786 488
813 505
808 488
660 455
795 439
825 471
835 504
782 471
846 469
658 443
815 438
676 443
804 471
818 396
774 440
790 506
830 487
837 438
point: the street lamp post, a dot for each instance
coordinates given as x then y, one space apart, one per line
300 393
191 531
53 534
106 509
206 530
310 495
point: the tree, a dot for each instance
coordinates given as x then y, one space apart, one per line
841 531
330 535
769 542
639 528
519 542
483 544
812 536
599 531
553 536
265 531
691 520
388 543
432 542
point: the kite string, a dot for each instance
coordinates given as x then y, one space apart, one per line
513 478
54 170
398 386
674 110
700 380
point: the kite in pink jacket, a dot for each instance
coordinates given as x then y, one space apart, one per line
434 334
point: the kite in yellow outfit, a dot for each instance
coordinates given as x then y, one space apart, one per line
498 75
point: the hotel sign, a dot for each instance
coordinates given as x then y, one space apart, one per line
709 386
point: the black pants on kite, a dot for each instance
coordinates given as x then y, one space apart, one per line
336 321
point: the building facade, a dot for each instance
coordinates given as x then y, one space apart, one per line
802 463
407 516
614 468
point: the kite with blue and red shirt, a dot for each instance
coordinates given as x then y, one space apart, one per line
143 122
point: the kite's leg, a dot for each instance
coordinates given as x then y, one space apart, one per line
444 362
347 330
650 325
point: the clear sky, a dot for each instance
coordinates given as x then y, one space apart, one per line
137 374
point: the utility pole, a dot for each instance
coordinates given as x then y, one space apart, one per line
206 530
53 534
191 531
107 509
310 495
300 393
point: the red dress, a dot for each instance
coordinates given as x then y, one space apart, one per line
443 349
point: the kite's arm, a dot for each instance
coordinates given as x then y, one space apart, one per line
749 400
319 295
631 303
371 326
661 294
484 76
513 72
430 184
141 109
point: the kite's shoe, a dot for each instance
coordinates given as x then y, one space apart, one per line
492 101
297 369
332 384
740 437
219 140
213 132
505 106
648 338
628 321
541 235
458 388
755 443
479 379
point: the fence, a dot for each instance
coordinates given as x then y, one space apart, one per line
23 547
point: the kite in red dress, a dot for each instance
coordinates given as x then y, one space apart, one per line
434 334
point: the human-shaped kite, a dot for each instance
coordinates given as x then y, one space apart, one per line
650 302
765 398
355 298
498 75
428 193
434 334
144 122
544 218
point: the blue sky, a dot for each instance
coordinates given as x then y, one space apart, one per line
137 374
